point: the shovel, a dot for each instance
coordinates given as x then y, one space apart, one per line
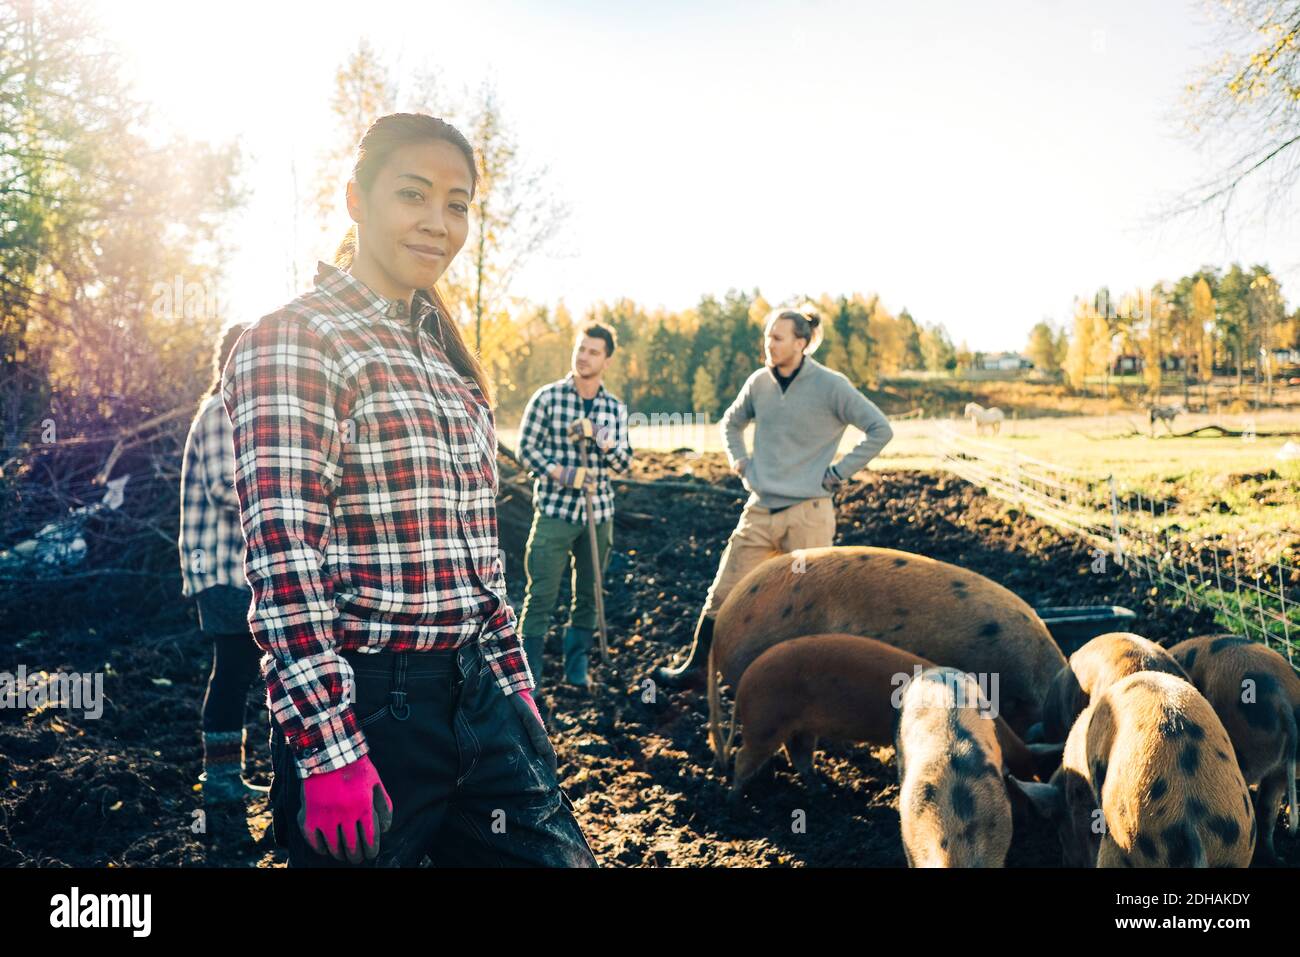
595 553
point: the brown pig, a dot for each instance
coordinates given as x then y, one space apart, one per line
937 611
1148 780
1256 694
841 687
953 806
1094 668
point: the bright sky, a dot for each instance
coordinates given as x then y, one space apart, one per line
980 164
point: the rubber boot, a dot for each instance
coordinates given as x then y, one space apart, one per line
223 764
690 672
577 645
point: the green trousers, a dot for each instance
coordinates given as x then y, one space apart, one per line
556 548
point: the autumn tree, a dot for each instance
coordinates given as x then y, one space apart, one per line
937 348
363 92
1242 106
1232 325
1089 349
516 214
1267 313
113 236
1202 324
1044 349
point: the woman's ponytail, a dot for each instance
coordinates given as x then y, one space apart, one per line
347 249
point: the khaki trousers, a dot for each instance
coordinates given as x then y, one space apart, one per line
761 533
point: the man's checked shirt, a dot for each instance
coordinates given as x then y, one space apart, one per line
544 441
211 541
366 471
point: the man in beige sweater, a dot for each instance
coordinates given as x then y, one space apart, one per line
800 409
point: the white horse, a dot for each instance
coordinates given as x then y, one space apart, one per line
990 419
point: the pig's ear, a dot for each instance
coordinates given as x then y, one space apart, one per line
1047 800
1047 758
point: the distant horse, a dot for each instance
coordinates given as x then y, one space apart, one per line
984 418
1165 414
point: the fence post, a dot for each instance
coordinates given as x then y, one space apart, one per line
1192 595
1286 622
1259 604
1236 577
1114 522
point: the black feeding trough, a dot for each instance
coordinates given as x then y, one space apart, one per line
1075 625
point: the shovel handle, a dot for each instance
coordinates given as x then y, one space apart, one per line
595 556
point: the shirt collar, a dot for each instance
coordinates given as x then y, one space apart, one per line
362 302
797 369
572 381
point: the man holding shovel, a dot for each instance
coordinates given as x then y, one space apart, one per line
573 434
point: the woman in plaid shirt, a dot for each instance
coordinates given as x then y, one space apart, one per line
365 451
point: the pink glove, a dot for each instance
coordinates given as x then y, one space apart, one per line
344 800
528 696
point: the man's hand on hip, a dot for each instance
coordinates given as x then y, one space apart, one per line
831 480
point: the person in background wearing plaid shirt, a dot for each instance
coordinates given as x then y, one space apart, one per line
366 470
551 438
212 552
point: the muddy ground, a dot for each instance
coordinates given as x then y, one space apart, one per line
121 790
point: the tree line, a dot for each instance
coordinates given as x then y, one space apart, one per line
695 360
1228 322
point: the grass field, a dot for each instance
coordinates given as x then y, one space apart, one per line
1213 485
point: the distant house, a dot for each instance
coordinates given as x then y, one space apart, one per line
1002 361
1286 357
1126 364
1131 364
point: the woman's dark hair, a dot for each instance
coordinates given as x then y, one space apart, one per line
221 354
385 135
598 330
807 326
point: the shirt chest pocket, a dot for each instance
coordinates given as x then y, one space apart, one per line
558 436
393 429
467 421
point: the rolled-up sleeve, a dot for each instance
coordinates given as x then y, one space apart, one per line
280 388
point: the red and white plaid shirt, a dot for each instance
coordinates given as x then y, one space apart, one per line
367 479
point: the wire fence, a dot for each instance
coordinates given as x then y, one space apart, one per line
1251 596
